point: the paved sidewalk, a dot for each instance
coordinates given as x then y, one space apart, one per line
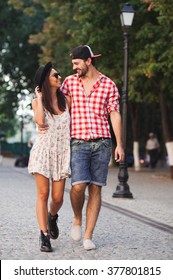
138 228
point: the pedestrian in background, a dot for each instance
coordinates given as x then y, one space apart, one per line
50 155
153 149
93 98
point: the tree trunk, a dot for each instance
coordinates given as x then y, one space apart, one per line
134 117
137 165
167 131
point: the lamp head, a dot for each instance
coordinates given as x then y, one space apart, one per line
127 15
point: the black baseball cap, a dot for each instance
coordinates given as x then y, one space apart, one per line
41 73
83 52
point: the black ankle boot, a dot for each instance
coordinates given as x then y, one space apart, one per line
52 226
45 245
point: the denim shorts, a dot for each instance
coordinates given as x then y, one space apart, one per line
90 160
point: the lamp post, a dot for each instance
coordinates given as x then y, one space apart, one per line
123 190
21 119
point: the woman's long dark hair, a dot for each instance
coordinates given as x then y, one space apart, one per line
46 89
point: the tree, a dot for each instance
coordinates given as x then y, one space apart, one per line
154 62
18 58
96 23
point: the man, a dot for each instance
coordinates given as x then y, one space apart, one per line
153 149
93 97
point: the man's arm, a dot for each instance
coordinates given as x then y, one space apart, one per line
115 118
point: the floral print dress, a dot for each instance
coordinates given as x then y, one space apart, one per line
50 154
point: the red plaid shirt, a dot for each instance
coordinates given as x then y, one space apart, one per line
89 114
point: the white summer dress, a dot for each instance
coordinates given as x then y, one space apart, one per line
50 154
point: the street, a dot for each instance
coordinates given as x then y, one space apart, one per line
127 229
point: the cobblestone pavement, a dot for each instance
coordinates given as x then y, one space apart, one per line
128 229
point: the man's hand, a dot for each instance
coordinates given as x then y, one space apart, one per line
119 154
43 128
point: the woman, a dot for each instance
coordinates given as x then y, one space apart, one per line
50 155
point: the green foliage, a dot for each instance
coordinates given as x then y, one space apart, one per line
71 23
154 57
7 98
54 37
47 30
98 25
18 58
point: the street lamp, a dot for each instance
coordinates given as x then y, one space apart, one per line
123 190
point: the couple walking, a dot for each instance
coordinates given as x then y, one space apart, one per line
74 140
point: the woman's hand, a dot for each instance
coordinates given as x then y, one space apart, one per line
38 92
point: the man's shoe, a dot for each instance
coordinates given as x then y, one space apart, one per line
76 232
89 245
45 245
52 226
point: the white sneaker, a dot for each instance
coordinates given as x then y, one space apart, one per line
89 245
76 232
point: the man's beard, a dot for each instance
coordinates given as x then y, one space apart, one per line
83 72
